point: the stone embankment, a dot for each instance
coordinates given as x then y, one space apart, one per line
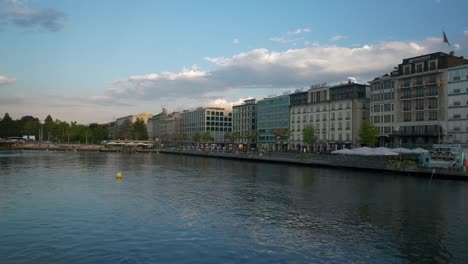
63 147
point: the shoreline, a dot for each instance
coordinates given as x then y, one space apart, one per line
310 160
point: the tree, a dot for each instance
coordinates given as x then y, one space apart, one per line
368 134
197 137
250 136
207 137
140 131
232 137
308 134
98 132
125 130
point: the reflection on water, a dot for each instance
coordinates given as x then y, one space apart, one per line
67 207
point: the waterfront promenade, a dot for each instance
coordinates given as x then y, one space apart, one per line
376 163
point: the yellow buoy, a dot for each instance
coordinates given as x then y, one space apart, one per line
118 175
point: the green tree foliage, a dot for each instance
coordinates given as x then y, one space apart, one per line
231 137
98 133
280 134
368 134
197 137
139 130
10 127
125 131
207 137
308 133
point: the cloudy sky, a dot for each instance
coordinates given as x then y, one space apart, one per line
93 61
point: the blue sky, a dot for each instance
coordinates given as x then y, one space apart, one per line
92 61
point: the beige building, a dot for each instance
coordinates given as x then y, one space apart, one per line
421 98
337 114
157 125
382 106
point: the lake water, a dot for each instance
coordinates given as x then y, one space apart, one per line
68 207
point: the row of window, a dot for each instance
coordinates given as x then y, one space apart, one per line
383 96
419 104
333 137
389 84
458 74
382 108
420 80
382 119
419 67
420 116
457 91
384 129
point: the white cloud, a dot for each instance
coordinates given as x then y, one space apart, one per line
299 31
291 36
457 46
273 69
337 38
6 80
235 41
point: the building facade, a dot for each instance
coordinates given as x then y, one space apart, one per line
421 98
457 91
244 121
157 125
273 123
349 109
298 120
382 107
215 120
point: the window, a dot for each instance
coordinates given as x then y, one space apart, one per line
387 107
406 82
406 93
456 116
420 92
431 91
419 80
376 119
456 78
456 103
432 103
419 67
407 106
420 116
432 115
432 65
406 117
456 91
420 104
407 69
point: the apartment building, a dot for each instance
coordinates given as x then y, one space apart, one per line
421 98
244 121
382 106
457 91
298 121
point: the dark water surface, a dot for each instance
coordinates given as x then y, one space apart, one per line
67 207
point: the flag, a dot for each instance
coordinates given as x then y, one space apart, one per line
445 38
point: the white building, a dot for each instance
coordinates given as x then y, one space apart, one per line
215 120
457 93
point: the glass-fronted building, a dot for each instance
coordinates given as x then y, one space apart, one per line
273 123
